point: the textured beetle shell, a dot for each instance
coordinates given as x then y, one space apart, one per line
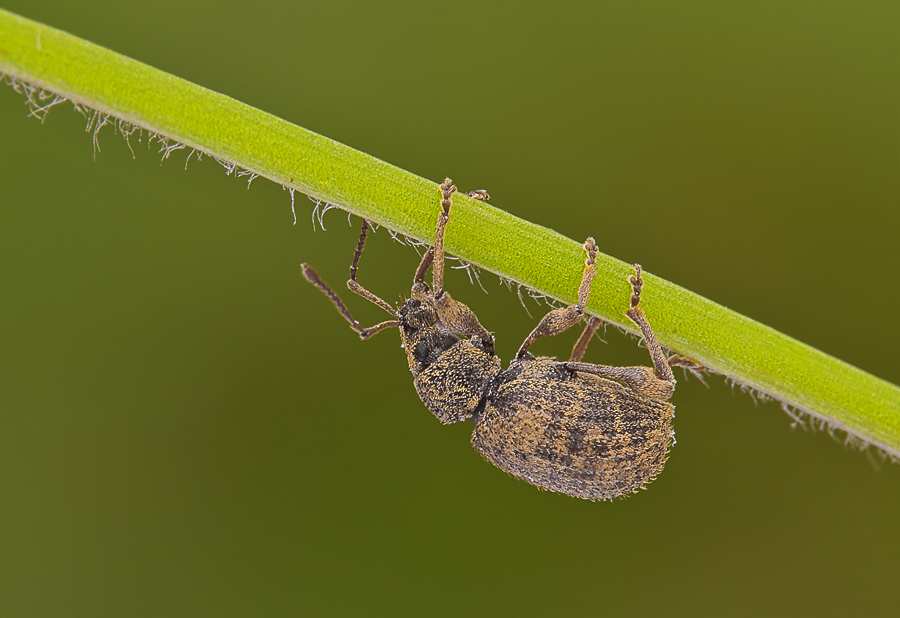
571 432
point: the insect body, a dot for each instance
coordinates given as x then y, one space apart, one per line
591 431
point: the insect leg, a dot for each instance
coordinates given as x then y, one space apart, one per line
452 314
437 271
642 380
583 341
364 333
688 364
354 268
564 318
360 245
428 258
636 315
458 318
424 265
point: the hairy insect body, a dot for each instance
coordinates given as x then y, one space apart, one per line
558 429
586 430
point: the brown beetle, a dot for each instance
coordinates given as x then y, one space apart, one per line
591 431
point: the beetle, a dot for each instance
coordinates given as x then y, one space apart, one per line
591 431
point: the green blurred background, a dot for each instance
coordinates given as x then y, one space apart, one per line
187 428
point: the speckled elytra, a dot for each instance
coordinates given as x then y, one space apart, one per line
586 430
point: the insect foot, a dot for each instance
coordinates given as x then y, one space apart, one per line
589 431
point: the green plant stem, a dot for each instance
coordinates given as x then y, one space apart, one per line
726 342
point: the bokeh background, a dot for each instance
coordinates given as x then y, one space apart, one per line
187 428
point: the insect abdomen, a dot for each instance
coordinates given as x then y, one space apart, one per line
583 436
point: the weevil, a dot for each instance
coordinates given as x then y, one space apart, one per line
590 431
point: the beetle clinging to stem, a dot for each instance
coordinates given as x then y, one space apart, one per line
590 431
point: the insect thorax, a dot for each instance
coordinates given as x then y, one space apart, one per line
451 374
